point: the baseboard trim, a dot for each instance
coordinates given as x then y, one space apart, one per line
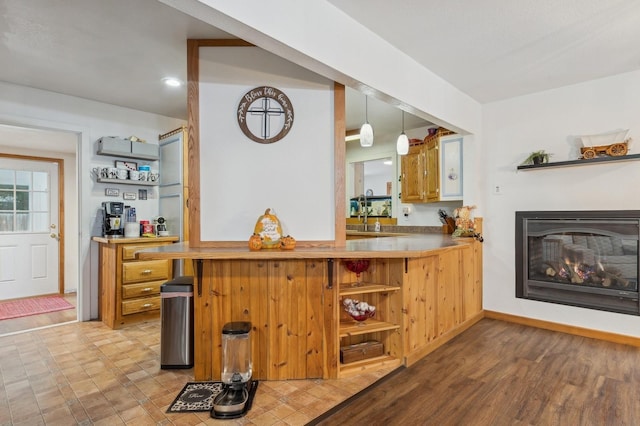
563 328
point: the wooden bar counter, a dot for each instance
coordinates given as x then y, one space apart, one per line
426 290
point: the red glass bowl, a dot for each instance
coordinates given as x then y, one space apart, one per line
363 317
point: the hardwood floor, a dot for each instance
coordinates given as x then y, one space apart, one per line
35 321
499 373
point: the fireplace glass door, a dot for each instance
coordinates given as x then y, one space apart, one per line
580 259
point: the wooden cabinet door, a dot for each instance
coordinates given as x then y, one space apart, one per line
413 175
433 171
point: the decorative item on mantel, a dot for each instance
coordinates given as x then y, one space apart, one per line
614 144
537 157
465 225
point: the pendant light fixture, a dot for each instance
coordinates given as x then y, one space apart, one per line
366 131
402 146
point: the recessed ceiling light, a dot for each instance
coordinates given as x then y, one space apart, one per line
172 82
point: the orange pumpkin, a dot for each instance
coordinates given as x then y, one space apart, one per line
255 242
269 229
288 243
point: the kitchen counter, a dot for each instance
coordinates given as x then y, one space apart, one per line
395 246
427 289
129 240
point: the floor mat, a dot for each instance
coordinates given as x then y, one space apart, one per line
195 396
199 396
33 306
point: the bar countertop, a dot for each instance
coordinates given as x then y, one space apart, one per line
382 247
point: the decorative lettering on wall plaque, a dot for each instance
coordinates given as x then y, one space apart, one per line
265 114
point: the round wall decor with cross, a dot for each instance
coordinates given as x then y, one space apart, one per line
265 114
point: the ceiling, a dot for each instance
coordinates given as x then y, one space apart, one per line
118 51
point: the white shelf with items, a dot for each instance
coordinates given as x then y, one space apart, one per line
127 182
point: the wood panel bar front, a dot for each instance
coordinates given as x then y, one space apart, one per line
426 289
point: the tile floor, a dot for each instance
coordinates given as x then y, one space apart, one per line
87 374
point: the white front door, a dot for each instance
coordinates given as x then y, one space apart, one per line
29 240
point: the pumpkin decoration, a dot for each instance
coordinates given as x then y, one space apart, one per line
288 243
269 229
255 242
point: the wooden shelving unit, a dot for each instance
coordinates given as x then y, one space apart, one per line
380 287
353 328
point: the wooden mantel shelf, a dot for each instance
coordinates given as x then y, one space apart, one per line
581 162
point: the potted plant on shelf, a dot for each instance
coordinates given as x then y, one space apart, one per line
537 157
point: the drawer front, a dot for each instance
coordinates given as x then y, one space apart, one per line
141 289
145 304
148 270
129 250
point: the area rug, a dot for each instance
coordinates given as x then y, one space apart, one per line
33 306
198 396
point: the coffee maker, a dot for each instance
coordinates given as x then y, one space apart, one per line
112 219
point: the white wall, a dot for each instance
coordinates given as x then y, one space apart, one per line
550 120
240 178
23 106
353 55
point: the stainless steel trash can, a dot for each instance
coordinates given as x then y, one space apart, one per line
176 323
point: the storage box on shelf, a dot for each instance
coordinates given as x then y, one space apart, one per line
380 285
119 147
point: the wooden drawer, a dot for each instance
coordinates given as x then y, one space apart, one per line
141 289
148 270
129 250
144 304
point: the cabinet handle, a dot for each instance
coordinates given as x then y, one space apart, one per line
146 272
147 305
147 289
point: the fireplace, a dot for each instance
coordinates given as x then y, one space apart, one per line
579 258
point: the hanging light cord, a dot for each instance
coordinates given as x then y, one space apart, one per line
366 109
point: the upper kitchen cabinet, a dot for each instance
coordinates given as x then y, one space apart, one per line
432 170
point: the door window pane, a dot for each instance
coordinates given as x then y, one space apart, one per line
40 201
6 222
22 222
40 222
6 200
40 181
22 200
6 178
23 180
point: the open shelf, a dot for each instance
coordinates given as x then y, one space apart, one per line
353 328
352 288
127 182
597 160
